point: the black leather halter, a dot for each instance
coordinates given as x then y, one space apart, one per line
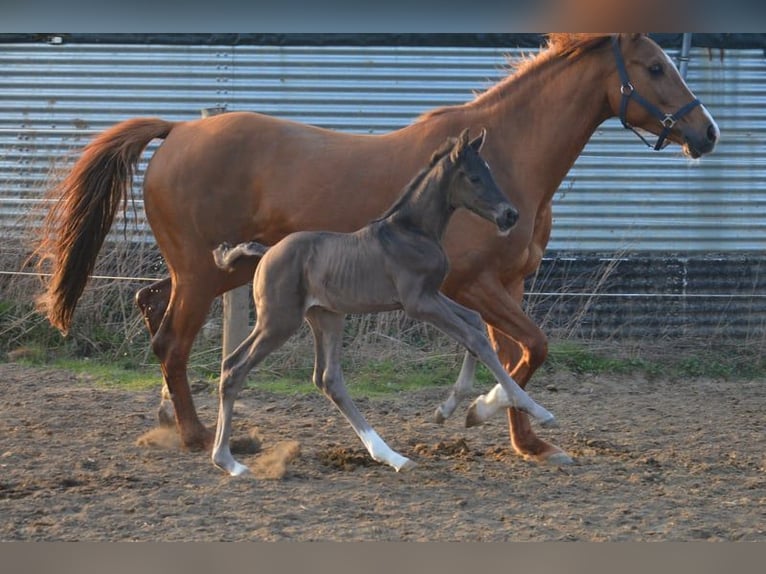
667 121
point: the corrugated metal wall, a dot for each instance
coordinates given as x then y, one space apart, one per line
620 196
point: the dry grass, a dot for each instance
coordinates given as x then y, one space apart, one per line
108 327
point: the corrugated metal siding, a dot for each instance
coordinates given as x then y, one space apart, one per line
619 196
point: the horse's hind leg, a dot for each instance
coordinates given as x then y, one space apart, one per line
266 337
152 302
172 342
327 328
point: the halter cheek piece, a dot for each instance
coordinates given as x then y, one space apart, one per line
667 121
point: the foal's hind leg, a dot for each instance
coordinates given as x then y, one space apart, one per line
327 328
266 337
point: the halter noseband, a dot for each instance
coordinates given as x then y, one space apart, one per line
629 93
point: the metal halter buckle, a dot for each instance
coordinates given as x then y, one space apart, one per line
627 89
668 121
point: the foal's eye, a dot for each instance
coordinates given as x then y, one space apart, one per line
656 69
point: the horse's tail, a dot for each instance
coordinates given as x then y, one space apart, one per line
226 256
86 203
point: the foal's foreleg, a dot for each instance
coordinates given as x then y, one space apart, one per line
327 328
447 315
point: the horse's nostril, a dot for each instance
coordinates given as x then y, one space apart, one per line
511 216
712 133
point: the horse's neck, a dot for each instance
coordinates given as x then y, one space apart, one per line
546 116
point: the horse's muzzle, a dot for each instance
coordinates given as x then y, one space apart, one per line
505 219
697 145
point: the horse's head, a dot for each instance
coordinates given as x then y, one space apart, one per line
646 91
474 188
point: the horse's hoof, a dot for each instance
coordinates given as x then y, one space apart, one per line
549 423
407 466
166 416
439 417
559 459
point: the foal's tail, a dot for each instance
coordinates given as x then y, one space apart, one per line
85 206
226 256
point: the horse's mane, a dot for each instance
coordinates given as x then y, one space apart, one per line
558 46
416 181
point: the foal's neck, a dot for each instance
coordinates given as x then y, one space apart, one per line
426 209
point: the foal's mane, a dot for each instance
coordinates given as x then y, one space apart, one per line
415 182
559 46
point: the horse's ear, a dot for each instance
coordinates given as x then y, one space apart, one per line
478 141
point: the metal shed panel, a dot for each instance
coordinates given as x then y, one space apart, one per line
618 197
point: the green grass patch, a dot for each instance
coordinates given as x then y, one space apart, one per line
581 359
415 371
374 378
112 375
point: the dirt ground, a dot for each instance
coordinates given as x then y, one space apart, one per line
654 460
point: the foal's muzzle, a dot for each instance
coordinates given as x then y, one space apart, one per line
506 218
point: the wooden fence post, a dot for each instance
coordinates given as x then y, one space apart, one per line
236 303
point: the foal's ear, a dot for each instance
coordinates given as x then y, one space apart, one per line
478 141
459 146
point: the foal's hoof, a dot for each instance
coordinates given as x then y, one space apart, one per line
439 417
407 466
239 469
233 469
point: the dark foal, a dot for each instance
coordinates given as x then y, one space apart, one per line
395 262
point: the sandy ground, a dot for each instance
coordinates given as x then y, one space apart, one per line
654 460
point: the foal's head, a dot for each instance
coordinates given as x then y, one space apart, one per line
472 186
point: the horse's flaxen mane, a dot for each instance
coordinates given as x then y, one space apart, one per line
559 46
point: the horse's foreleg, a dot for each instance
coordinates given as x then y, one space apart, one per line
521 348
523 439
327 328
152 301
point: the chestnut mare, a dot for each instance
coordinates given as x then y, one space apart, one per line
395 262
243 176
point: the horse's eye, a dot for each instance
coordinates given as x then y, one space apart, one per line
656 69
